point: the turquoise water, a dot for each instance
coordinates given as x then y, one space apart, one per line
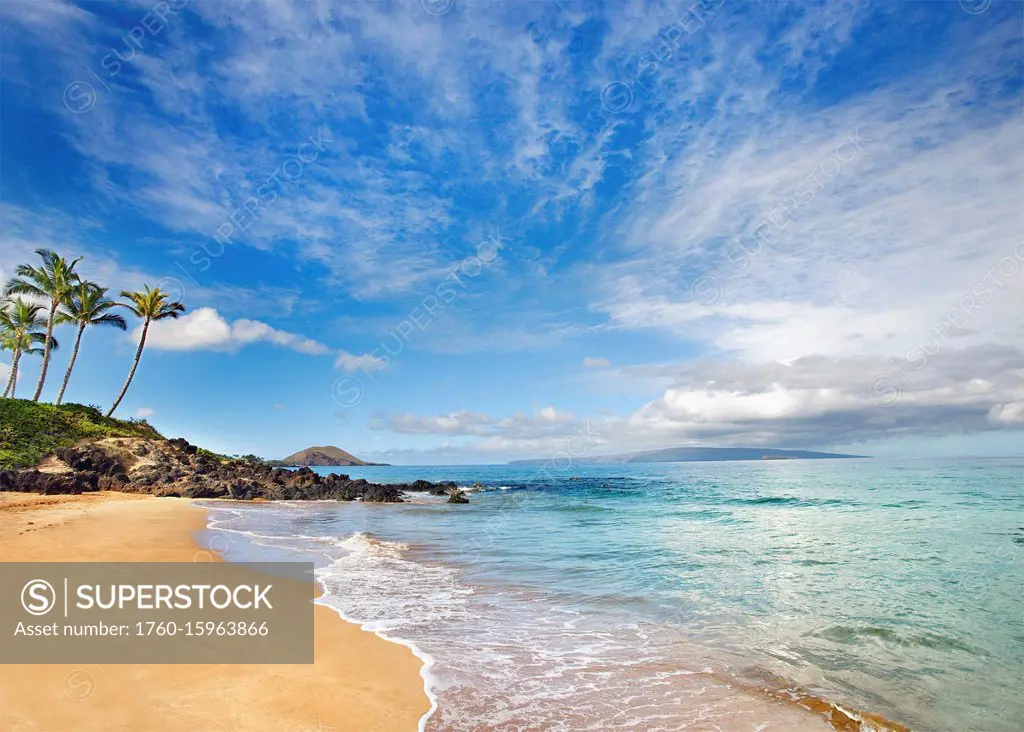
662 596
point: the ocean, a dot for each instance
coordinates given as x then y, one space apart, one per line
773 595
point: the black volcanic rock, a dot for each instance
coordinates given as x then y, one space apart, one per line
180 443
176 468
91 459
33 481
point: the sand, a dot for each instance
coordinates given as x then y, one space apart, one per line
358 681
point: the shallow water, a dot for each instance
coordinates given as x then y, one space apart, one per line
665 596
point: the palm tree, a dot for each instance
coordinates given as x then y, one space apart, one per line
21 328
52 281
87 305
7 344
150 305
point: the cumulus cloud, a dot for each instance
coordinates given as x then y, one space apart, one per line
455 423
812 401
545 421
878 298
820 400
144 412
367 362
1008 414
206 329
252 331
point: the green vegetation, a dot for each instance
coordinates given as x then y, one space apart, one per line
87 305
29 430
212 454
69 300
57 297
21 327
52 282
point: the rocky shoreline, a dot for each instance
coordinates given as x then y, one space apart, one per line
177 468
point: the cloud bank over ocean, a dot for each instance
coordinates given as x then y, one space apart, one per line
795 225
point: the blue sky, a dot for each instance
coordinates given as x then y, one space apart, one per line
451 231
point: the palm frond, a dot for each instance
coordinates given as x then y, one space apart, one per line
52 280
152 304
24 286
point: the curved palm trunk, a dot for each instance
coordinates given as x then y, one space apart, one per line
74 355
12 383
46 351
135 365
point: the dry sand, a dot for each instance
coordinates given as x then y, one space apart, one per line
358 681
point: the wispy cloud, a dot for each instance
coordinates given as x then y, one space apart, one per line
804 199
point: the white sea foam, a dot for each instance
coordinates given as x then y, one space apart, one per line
374 586
499 657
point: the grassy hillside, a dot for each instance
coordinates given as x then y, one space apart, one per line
29 431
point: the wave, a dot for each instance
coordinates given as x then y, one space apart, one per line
373 586
582 508
369 583
480 488
851 635
496 656
361 544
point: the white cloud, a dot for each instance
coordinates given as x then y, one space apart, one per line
552 415
1011 413
877 263
810 402
455 423
144 412
202 328
543 422
250 331
205 329
366 362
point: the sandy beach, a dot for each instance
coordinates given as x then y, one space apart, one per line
358 681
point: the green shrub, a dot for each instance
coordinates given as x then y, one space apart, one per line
29 431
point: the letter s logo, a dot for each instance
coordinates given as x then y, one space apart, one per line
38 597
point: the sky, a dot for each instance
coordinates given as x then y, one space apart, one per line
458 231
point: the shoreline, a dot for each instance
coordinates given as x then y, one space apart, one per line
776 692
64 528
359 680
426 660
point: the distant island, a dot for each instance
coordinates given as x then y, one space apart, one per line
327 456
695 455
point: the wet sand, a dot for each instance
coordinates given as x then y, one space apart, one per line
357 682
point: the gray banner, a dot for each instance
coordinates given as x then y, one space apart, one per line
156 612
